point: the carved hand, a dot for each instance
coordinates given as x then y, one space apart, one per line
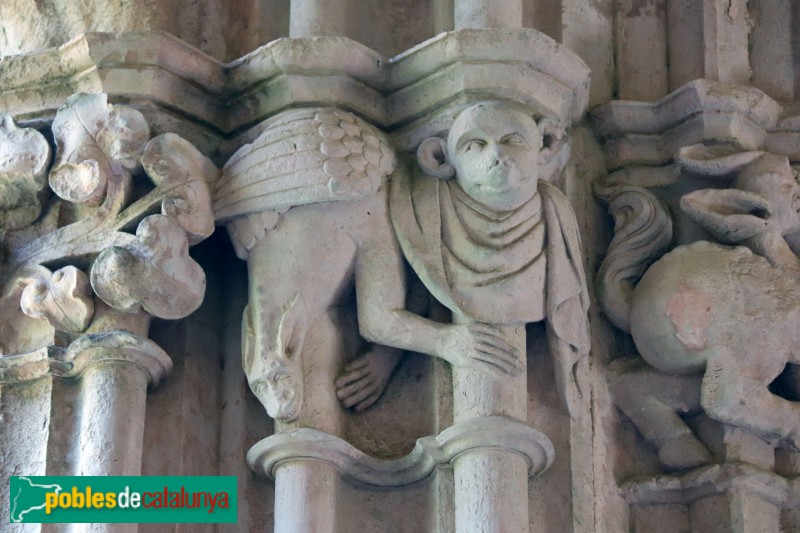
365 377
478 346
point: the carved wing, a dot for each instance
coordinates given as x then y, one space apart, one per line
302 157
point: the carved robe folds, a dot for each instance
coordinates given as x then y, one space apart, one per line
498 268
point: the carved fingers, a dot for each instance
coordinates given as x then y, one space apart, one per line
365 378
358 394
482 347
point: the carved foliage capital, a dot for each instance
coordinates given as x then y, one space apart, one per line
98 230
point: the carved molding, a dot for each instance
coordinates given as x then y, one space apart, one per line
224 100
88 350
26 367
712 480
494 432
638 133
112 347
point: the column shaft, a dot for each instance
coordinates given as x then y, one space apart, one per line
307 491
313 18
487 14
113 401
491 486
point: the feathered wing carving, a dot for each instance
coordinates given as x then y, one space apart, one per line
303 156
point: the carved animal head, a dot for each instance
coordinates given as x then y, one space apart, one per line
276 375
765 197
497 152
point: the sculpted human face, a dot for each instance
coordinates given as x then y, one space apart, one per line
495 152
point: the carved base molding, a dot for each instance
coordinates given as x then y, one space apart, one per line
84 352
308 466
730 497
491 432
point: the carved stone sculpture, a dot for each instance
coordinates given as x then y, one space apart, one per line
305 203
497 245
716 317
100 147
309 206
88 262
493 240
498 182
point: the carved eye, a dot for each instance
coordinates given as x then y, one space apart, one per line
280 377
514 139
473 145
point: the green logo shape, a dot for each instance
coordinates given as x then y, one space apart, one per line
123 499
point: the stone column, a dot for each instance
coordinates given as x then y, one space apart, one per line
305 496
25 393
491 485
487 14
314 18
115 370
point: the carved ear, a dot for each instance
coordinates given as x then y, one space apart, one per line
432 157
700 160
292 328
554 139
248 348
555 150
730 215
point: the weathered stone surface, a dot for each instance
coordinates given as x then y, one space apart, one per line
96 143
24 158
63 298
706 162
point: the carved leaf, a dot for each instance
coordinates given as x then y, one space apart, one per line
20 333
183 174
155 272
95 142
24 156
63 298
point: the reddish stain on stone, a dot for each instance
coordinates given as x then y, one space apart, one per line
689 310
